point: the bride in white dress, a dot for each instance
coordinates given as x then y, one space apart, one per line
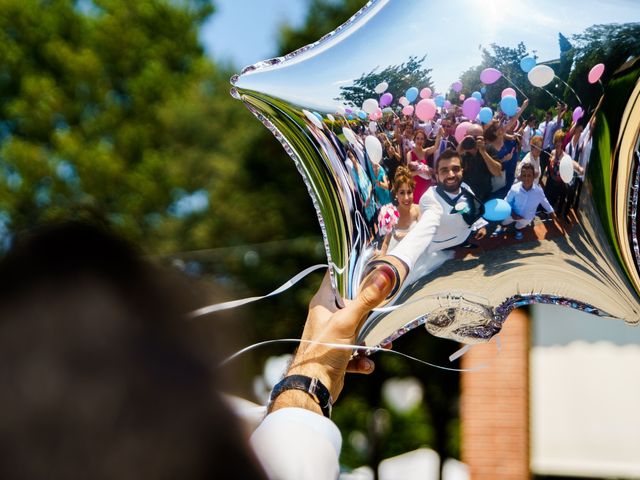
403 186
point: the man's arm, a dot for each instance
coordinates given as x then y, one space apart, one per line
494 166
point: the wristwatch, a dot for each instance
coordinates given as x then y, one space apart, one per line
310 385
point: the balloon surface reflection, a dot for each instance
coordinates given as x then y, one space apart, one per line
490 178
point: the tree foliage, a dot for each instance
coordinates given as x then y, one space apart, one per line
399 77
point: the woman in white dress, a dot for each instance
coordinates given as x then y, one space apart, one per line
403 186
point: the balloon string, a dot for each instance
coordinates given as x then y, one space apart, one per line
515 86
243 301
569 87
342 346
552 95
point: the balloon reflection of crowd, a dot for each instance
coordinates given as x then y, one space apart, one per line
505 158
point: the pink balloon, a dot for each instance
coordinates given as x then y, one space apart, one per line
408 110
577 114
456 86
471 108
596 72
386 99
508 91
425 92
461 97
425 109
490 75
403 101
461 131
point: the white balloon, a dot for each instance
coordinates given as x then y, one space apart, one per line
381 87
403 101
370 105
312 118
350 136
331 117
340 110
566 169
373 127
541 75
374 149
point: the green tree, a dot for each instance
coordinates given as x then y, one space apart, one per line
611 44
399 77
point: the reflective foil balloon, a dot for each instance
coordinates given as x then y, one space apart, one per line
564 230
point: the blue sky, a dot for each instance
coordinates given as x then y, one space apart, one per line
245 31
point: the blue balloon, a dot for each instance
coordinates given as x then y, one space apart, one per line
485 115
318 116
509 105
483 90
362 115
527 63
477 95
439 101
411 94
539 132
496 210
350 117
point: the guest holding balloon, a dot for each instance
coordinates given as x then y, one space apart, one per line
548 128
525 197
502 148
556 187
403 185
417 162
532 158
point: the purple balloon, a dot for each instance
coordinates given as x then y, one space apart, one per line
471 108
456 86
490 75
348 110
577 114
447 104
386 99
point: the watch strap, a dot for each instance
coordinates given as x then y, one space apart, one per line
310 385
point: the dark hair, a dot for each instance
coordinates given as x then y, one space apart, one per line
527 166
100 376
491 131
448 154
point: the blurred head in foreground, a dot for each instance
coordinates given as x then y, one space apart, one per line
99 379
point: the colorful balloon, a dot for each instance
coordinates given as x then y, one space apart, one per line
527 63
477 95
425 93
461 97
509 105
471 108
577 114
485 115
456 86
408 110
403 101
508 91
425 109
381 87
566 169
411 94
370 105
595 73
461 131
541 75
386 99
439 100
374 148
490 75
496 210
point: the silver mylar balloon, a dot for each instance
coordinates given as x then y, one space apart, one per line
323 100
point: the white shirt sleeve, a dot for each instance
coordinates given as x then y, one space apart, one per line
294 443
419 237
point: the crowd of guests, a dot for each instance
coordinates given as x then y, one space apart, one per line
494 156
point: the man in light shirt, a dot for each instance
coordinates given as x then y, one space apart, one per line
524 197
